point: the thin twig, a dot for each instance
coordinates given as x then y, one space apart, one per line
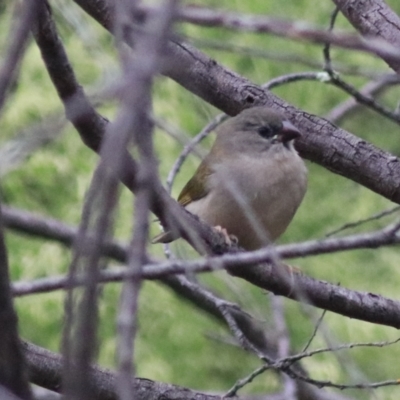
189 148
352 70
355 224
315 330
295 77
371 89
326 50
246 380
300 31
335 80
364 306
139 76
326 144
349 346
178 135
284 363
281 330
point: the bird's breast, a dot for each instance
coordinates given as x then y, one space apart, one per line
254 198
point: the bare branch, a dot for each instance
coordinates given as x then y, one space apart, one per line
374 18
349 346
284 345
370 90
364 306
31 224
322 142
282 56
17 45
294 30
92 129
355 224
12 364
283 364
48 228
314 333
321 294
335 80
361 98
326 383
79 339
296 77
45 369
139 75
189 148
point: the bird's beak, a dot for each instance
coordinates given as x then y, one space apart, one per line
288 132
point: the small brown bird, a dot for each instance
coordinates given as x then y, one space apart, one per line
252 181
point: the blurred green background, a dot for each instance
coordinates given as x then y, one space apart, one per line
176 343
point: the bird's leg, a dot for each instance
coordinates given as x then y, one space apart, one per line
229 239
291 269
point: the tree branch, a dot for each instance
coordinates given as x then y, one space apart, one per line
45 369
322 142
365 306
371 90
214 18
12 363
17 46
374 18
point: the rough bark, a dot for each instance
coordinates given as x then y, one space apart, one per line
335 149
374 18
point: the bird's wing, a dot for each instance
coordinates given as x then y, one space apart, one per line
196 188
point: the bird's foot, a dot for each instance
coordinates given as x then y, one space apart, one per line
229 239
291 269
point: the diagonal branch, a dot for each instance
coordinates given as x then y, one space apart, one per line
214 18
91 126
17 46
364 306
374 18
45 369
334 148
322 142
371 90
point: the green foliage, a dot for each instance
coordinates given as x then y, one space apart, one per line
177 344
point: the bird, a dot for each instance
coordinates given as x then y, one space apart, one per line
251 182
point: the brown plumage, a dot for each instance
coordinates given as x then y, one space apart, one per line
252 181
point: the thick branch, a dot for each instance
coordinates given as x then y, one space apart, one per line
364 306
207 17
12 363
374 18
322 142
45 369
368 307
91 126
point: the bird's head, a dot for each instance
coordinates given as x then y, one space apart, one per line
257 129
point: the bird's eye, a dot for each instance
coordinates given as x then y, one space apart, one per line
266 131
